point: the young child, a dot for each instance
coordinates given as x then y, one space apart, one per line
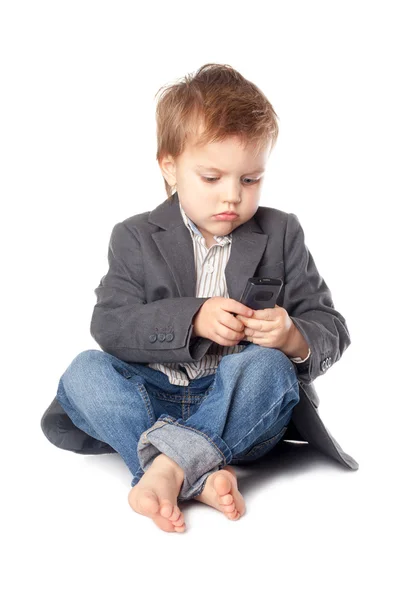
190 380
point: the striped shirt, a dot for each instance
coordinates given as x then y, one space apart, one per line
210 267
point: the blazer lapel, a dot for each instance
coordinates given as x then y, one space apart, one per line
175 244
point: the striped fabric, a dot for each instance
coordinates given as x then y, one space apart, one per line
210 267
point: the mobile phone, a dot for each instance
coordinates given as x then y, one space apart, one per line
261 292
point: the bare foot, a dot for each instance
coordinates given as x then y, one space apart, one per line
221 492
155 495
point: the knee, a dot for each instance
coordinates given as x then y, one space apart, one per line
261 359
278 373
279 363
277 358
83 367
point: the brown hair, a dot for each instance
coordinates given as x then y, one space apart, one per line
223 101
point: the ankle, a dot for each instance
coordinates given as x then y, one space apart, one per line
166 463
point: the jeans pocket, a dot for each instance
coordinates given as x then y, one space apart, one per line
256 451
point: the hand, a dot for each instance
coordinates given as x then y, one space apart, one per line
215 320
270 327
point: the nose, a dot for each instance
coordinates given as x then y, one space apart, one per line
231 205
231 193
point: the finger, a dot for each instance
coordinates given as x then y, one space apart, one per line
232 322
258 335
256 324
229 334
239 308
253 334
268 314
222 341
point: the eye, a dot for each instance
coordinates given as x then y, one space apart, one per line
252 181
213 179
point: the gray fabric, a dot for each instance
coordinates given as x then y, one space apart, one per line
146 304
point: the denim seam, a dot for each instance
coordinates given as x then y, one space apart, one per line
210 388
196 431
146 400
264 414
188 403
175 398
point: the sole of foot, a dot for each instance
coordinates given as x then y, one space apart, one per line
221 492
155 495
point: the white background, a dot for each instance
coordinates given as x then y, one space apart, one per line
78 145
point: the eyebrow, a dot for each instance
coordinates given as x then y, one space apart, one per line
223 172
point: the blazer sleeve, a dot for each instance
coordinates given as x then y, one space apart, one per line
308 301
126 326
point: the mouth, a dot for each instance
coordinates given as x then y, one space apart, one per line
226 217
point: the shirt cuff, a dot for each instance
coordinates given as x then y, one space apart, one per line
298 359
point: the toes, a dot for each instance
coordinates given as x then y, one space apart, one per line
180 529
227 499
167 509
164 524
234 515
172 513
175 514
177 517
165 514
179 523
222 485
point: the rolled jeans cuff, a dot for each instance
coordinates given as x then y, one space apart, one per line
197 451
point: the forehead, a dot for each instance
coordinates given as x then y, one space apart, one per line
227 153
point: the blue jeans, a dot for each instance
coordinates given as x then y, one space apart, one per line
232 417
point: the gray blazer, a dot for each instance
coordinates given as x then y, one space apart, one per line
146 303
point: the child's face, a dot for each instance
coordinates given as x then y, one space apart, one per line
237 175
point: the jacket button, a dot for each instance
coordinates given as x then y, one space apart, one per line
161 337
152 337
169 337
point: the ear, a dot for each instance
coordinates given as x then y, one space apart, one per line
168 169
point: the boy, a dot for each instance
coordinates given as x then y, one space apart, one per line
189 380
